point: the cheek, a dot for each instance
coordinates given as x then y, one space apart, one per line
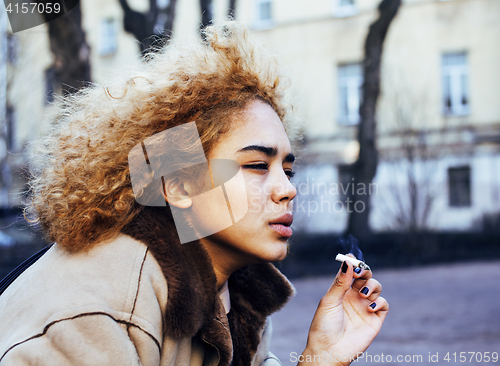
237 196
246 205
210 212
223 206
256 194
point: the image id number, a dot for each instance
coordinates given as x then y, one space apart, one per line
40 8
471 357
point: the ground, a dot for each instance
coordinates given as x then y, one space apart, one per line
435 310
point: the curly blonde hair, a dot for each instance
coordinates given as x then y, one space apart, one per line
80 184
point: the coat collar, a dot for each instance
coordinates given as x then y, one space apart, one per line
194 306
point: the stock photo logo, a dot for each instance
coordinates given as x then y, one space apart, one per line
161 163
25 14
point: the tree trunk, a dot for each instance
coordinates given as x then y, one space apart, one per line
365 167
70 49
151 29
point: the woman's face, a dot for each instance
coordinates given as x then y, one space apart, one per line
259 144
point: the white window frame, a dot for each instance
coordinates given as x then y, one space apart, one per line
260 23
352 85
344 8
458 75
108 42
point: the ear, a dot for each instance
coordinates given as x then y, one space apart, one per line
176 193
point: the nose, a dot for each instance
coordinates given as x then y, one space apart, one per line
283 190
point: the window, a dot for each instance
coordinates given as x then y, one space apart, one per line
10 136
344 8
12 48
455 84
350 81
108 38
50 76
459 192
264 13
159 27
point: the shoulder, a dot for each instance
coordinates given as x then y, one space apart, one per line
109 274
118 279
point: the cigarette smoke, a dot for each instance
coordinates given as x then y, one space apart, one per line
351 245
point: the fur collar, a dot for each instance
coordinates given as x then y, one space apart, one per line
194 306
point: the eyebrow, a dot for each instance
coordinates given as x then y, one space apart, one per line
269 151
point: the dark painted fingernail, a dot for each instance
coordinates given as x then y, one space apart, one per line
344 267
365 290
357 270
373 305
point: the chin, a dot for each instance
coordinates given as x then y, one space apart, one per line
279 253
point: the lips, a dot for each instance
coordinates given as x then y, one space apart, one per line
282 225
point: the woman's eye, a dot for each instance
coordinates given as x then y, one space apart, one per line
264 167
256 166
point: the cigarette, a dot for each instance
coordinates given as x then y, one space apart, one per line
355 262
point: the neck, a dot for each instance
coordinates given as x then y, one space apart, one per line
224 262
221 277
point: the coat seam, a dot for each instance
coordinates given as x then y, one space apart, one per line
45 330
138 284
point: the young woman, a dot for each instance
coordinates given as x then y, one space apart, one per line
118 287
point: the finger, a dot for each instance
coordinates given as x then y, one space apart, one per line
359 283
341 285
358 272
370 290
362 273
381 307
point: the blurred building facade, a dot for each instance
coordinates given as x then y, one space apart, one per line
438 117
31 86
438 130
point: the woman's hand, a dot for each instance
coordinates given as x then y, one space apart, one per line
347 320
